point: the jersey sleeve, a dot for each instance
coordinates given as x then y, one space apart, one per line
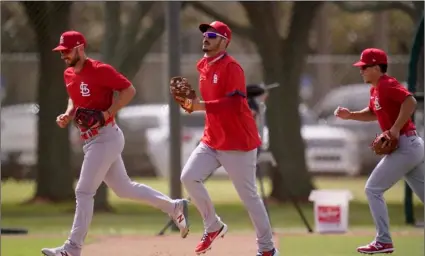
235 80
395 92
113 79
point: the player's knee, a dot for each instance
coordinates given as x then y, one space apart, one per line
83 194
371 190
186 178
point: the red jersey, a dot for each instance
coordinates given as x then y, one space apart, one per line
93 87
385 101
229 124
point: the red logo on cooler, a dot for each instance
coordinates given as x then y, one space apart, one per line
329 214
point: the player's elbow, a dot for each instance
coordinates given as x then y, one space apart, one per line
129 91
413 101
410 104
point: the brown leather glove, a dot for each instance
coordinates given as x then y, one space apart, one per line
182 92
384 143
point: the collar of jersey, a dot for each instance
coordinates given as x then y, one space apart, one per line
214 59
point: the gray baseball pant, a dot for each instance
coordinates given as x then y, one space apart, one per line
103 162
241 167
407 161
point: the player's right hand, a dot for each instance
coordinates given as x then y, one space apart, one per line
62 120
343 113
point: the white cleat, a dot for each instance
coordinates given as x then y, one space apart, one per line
181 218
58 251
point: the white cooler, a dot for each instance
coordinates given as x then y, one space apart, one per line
331 210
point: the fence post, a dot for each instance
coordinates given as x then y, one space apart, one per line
411 81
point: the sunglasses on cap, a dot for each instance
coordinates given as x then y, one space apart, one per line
213 35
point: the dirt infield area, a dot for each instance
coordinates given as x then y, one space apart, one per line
167 245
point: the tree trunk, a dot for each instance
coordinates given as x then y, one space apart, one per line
296 177
111 37
54 176
283 62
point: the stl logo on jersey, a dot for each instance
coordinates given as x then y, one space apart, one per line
215 79
84 89
376 103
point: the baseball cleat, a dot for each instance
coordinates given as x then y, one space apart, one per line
58 251
273 252
181 218
208 239
376 247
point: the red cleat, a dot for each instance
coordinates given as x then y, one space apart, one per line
376 247
208 239
273 252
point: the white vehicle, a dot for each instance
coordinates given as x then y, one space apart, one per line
329 149
19 132
154 119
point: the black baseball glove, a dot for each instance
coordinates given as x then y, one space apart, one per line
87 118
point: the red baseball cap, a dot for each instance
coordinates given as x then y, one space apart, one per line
372 56
69 40
219 26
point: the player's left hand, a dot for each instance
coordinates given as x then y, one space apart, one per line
89 118
395 132
106 115
384 143
197 105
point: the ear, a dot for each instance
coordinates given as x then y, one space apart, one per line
377 68
224 42
80 50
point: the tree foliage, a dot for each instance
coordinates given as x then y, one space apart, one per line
351 29
412 8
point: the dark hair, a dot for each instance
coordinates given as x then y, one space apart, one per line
383 68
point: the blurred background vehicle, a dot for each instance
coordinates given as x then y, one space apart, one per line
329 150
19 144
146 126
151 121
353 97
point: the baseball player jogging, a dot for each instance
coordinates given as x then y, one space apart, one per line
90 85
402 149
230 138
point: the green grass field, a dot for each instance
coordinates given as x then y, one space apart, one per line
54 221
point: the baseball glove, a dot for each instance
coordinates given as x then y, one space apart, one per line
87 118
384 143
182 92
